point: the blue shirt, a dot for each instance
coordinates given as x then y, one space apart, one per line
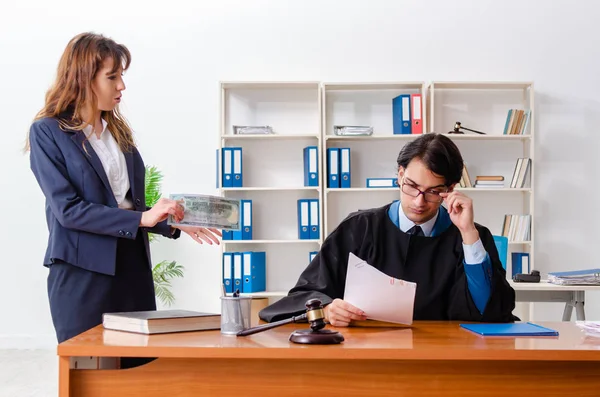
477 262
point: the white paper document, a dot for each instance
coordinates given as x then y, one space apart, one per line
591 328
380 296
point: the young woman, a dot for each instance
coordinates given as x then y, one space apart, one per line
84 158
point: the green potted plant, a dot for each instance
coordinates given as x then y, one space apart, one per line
164 271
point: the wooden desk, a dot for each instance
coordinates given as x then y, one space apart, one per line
572 295
430 359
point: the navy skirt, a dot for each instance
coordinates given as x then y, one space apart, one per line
79 297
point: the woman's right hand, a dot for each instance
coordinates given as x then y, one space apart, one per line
340 313
160 211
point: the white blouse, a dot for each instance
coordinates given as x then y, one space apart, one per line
113 162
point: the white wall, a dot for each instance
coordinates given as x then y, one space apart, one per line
182 49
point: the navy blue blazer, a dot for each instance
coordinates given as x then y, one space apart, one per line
83 218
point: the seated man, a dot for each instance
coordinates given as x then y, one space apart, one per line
452 259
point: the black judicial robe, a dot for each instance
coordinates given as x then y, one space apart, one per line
435 263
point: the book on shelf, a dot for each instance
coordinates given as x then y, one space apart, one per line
517 121
231 167
246 216
521 172
465 179
308 219
377 183
489 181
339 173
520 262
161 321
407 115
517 227
489 178
311 166
245 271
502 248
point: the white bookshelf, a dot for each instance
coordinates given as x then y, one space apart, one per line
304 113
367 104
483 106
273 176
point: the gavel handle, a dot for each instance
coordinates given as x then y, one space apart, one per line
265 327
468 129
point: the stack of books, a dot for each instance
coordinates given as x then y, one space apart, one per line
489 181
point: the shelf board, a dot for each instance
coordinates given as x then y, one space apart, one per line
263 294
269 136
491 137
269 85
494 189
408 137
519 242
269 189
390 137
481 85
360 189
297 241
462 189
373 86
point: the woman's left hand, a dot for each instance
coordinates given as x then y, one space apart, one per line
202 234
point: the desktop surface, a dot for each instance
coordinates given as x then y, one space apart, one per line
425 359
421 341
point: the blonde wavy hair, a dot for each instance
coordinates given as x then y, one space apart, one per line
71 93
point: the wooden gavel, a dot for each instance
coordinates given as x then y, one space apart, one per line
315 335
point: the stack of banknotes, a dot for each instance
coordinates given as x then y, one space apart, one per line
207 211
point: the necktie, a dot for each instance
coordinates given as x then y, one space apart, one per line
416 231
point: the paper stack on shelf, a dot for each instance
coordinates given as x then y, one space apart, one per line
578 277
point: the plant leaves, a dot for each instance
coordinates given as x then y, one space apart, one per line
164 271
153 180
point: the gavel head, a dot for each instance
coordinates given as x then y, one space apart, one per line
315 314
456 129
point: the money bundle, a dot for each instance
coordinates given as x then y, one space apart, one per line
207 211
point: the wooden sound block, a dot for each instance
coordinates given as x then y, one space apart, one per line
257 304
321 337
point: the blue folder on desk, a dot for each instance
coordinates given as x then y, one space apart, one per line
510 329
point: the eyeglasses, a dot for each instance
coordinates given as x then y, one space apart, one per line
429 196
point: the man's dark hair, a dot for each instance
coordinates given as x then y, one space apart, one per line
439 154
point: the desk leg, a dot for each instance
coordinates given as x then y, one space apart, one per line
64 381
568 310
579 303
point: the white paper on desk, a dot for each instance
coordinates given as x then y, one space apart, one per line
380 296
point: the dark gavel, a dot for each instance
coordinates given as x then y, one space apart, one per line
458 127
315 335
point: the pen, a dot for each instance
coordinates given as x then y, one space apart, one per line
239 317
